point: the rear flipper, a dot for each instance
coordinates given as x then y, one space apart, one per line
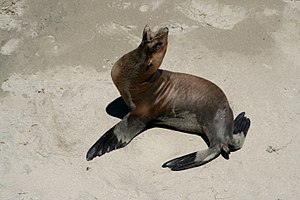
117 137
194 159
241 127
241 124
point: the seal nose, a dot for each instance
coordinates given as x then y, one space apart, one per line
162 31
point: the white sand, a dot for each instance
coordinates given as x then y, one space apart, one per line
55 63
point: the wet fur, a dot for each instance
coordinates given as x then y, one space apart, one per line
160 98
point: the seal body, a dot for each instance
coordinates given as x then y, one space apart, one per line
178 101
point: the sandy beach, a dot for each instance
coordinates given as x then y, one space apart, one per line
55 84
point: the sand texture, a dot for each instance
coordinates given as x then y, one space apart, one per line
55 63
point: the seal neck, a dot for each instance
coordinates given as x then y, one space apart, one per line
139 65
148 79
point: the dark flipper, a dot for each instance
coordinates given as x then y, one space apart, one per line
118 108
241 127
241 124
194 159
117 137
108 142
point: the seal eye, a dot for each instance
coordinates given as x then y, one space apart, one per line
157 45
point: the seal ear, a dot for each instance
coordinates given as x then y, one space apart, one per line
147 34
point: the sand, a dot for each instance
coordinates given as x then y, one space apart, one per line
55 62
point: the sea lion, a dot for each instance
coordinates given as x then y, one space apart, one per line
160 98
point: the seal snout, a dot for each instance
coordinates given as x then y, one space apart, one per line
149 35
161 32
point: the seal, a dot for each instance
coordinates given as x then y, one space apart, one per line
161 98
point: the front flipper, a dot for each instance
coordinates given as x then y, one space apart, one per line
194 159
117 137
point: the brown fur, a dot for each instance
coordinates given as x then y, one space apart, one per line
180 101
